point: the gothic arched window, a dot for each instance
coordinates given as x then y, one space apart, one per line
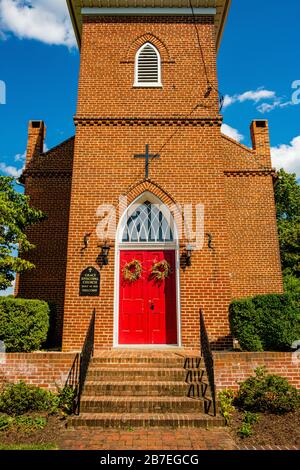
147 70
147 223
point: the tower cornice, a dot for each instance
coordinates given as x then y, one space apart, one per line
218 8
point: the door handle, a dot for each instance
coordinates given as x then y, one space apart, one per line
151 305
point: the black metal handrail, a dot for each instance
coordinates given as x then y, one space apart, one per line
208 360
78 371
73 381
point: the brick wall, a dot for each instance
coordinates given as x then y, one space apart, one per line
232 368
47 370
254 256
108 53
48 185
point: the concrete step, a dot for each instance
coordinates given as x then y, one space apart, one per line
106 404
146 420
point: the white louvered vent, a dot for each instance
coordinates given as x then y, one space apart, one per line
147 67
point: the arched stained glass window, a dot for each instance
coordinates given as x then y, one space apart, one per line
147 223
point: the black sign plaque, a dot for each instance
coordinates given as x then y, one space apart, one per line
89 282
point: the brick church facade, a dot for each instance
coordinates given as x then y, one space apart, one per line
205 203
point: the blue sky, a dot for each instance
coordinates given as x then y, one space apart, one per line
258 62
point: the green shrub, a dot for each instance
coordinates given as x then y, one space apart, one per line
23 324
245 430
226 398
266 322
66 398
5 422
291 284
17 399
250 418
266 392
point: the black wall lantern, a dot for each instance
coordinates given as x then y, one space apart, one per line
189 250
104 253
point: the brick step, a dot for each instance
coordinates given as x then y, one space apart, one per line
133 372
146 388
134 388
196 375
137 362
134 405
109 374
146 420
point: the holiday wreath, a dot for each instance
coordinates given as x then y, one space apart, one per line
160 270
132 271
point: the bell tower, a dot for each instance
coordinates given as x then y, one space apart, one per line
116 44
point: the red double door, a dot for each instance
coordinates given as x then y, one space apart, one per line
147 310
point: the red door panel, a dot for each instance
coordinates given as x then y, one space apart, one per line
170 301
147 311
133 318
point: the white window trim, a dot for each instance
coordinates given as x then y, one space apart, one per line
136 83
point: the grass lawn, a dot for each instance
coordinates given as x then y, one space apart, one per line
46 446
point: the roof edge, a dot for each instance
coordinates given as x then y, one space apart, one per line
74 22
76 26
224 19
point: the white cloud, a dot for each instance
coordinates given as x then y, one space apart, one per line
268 107
287 156
10 170
43 20
228 100
255 96
20 157
231 132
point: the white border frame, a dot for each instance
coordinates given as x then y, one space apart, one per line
147 195
136 83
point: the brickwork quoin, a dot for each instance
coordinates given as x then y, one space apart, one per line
219 192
